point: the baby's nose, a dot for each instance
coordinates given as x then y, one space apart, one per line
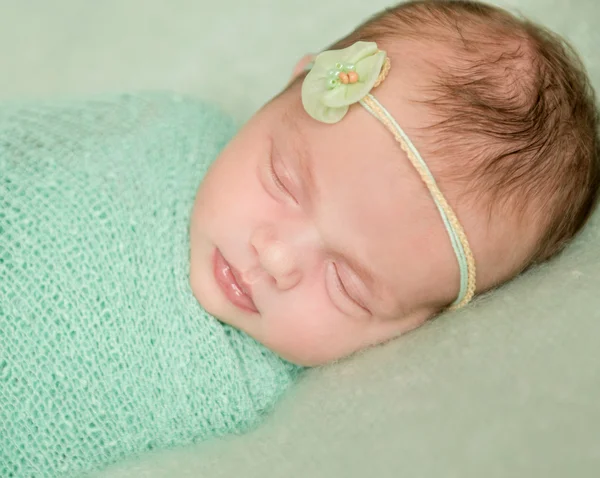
277 258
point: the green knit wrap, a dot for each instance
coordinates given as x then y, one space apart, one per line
104 351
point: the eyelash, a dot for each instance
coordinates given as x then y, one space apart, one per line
339 284
278 183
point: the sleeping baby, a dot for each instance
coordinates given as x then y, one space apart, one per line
153 296
327 226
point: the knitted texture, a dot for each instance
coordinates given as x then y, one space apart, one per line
104 351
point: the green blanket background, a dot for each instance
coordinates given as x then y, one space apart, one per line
105 352
507 388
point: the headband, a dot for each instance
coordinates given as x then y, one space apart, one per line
340 78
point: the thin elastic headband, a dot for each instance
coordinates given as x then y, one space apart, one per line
340 78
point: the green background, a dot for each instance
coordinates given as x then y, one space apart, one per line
509 387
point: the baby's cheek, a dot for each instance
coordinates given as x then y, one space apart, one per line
309 335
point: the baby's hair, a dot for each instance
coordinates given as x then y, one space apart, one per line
514 103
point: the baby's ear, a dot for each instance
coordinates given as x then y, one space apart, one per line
299 68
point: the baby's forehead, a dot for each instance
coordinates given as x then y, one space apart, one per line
357 141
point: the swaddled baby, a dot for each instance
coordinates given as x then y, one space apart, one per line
434 153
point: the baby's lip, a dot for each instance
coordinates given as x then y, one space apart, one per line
232 284
244 286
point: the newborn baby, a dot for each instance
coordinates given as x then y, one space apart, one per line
322 239
435 152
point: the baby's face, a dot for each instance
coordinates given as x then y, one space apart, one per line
318 240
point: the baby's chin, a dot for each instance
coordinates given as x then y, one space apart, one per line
202 293
214 305
284 345
202 284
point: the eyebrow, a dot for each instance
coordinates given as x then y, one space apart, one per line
308 184
305 160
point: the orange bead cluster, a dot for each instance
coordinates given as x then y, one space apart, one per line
350 77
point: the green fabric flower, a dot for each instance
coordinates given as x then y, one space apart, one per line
327 93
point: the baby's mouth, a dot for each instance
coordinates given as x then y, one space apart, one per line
231 283
244 287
